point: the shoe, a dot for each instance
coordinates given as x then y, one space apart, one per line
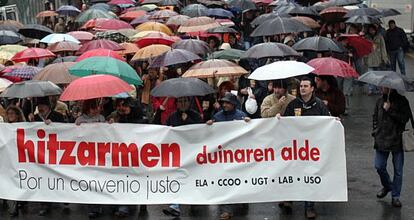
396 203
171 212
310 213
43 212
225 216
382 193
93 214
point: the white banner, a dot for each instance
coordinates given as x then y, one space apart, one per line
264 160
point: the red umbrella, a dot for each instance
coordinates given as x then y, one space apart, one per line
131 15
81 35
121 2
94 86
63 46
31 53
332 67
96 44
266 2
103 24
361 45
155 38
333 13
101 53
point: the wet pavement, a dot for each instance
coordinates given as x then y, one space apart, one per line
363 183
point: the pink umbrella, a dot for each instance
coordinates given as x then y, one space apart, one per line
103 24
332 67
31 53
100 53
81 35
94 86
121 2
96 44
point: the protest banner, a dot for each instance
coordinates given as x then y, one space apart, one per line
264 160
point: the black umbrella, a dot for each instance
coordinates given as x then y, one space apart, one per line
363 20
196 46
279 26
268 50
31 88
182 87
264 17
98 1
318 44
35 31
304 11
221 30
212 3
170 3
331 3
195 10
388 12
389 79
173 57
286 7
242 4
363 12
9 37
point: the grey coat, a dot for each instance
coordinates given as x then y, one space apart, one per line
379 54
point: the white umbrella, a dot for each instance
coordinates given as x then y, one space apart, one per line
4 83
54 38
281 70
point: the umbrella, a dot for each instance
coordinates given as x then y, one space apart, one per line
182 87
303 11
54 38
212 3
332 67
363 12
281 70
121 2
388 12
25 72
81 35
149 7
31 53
318 44
68 10
95 2
103 24
242 5
4 83
129 48
340 3
363 20
333 13
214 68
198 24
279 26
95 44
195 10
265 2
31 88
128 32
112 35
100 53
308 22
143 19
93 13
10 25
150 52
196 46
44 14
361 45
8 51
131 15
35 31
174 56
95 86
106 65
170 3
219 12
267 50
9 37
101 6
221 30
264 17
64 46
163 14
154 26
57 73
155 38
146 2
65 59
177 20
228 54
389 79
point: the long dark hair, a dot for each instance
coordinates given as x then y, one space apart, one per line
18 112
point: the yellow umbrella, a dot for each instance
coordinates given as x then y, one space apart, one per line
215 68
198 24
143 34
8 51
150 52
154 26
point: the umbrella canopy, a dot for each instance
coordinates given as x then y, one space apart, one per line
81 35
177 20
143 19
103 24
195 10
10 25
173 57
96 44
214 68
147 2
198 24
228 54
9 37
54 38
331 3
95 86
31 88
361 45
65 59
268 50
332 67
31 53
163 14
129 48
242 5
363 12
127 32
303 11
389 79
154 26
106 65
68 10
101 6
150 52
148 7
182 87
25 72
131 15
64 46
8 51
170 3
220 13
4 83
333 13
222 30
269 16
196 46
363 20
44 14
388 12
57 73
279 26
112 35
318 44
121 2
35 31
100 53
91 14
155 38
308 22
281 70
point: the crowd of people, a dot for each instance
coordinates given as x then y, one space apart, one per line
309 95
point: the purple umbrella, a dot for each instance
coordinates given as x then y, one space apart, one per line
143 19
174 56
68 10
25 72
219 12
196 46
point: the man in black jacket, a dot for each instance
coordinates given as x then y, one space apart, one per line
392 112
396 42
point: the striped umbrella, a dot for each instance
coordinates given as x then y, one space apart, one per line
25 72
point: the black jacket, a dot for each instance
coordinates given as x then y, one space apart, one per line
388 126
53 116
175 118
312 108
396 38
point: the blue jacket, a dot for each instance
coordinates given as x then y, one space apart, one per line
229 116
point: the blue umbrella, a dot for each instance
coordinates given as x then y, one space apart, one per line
219 12
68 10
54 38
9 37
26 72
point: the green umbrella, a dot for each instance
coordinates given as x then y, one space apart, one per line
93 13
106 65
228 54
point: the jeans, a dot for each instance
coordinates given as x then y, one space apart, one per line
397 56
381 158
